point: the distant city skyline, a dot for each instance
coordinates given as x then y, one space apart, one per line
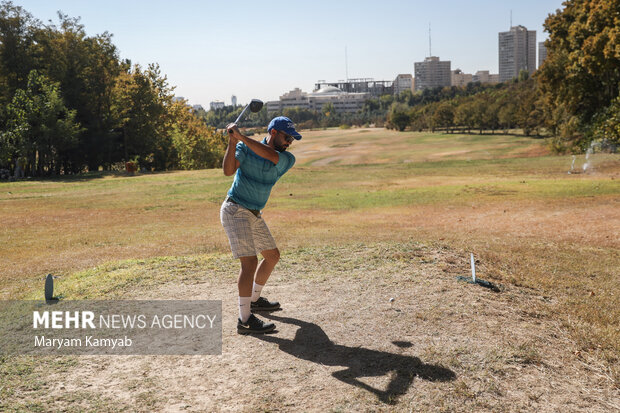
211 51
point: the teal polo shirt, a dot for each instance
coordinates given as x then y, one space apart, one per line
256 176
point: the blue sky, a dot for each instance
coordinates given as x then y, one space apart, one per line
211 50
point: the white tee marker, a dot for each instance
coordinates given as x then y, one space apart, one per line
473 269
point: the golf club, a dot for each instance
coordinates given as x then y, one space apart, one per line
255 106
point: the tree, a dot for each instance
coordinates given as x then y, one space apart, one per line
40 129
328 109
142 99
581 73
606 125
464 114
299 115
398 116
385 101
491 115
330 116
17 32
86 68
529 113
195 145
506 115
479 108
444 115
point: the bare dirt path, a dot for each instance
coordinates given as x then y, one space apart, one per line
442 345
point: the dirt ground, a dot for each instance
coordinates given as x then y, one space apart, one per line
340 345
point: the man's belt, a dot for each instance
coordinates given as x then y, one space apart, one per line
254 211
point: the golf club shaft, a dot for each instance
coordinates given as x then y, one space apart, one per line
255 105
240 115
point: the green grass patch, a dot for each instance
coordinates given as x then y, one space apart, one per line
115 280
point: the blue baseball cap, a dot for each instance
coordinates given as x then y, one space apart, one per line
284 124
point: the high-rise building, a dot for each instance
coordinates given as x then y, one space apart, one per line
517 51
432 73
542 53
233 100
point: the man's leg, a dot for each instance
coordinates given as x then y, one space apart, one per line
249 323
266 266
264 270
237 224
244 284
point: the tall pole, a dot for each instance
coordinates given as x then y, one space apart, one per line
430 53
346 64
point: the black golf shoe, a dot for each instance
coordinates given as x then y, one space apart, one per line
254 325
263 304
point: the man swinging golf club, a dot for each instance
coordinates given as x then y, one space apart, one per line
257 167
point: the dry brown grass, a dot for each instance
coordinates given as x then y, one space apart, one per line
442 345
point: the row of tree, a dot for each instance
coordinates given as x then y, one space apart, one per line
507 106
69 104
374 111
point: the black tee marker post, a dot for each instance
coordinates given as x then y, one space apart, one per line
49 288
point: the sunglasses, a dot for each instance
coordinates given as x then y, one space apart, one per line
287 137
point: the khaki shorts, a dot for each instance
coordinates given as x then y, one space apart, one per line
248 234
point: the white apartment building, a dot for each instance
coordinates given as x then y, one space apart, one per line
403 82
218 104
342 101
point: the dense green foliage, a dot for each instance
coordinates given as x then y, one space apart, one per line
69 104
40 130
504 106
580 78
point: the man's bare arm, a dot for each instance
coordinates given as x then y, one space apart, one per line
230 163
262 150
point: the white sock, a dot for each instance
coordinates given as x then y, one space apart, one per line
244 308
256 291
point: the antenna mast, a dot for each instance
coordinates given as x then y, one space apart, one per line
346 64
430 53
511 18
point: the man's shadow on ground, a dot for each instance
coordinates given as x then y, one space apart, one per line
312 344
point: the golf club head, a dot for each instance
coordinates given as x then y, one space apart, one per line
256 105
